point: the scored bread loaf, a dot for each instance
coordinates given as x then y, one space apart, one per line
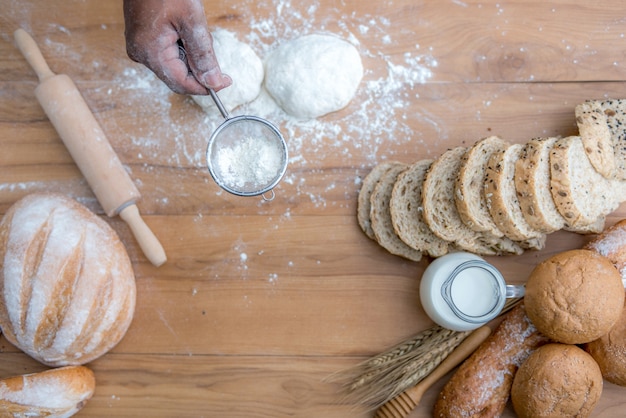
602 127
532 184
380 216
442 216
363 201
469 194
406 210
502 198
581 194
611 243
67 287
57 392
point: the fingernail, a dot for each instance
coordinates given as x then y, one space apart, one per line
214 78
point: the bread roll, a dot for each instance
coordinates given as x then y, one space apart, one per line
54 393
575 296
557 380
67 288
609 351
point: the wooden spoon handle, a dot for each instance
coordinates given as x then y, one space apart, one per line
402 405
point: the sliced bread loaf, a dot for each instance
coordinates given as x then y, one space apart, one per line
442 216
380 216
469 194
406 212
532 183
581 194
502 197
363 201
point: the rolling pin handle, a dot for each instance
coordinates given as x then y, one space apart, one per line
148 242
32 53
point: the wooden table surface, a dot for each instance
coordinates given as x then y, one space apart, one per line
260 301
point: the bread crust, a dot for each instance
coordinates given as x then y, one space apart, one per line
481 385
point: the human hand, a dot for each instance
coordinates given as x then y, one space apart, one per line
154 31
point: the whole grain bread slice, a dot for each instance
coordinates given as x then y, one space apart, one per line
532 184
363 200
581 194
593 128
602 127
406 212
442 216
502 198
469 194
380 216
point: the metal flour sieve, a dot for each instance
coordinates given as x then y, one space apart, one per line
246 155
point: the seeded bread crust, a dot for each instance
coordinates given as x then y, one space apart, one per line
363 201
442 217
581 194
469 194
502 198
532 184
380 216
406 212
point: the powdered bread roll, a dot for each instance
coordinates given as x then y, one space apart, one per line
67 288
574 297
54 393
557 380
611 243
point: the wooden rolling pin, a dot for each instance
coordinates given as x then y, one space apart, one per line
402 405
89 147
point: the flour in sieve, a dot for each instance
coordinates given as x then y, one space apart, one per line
250 162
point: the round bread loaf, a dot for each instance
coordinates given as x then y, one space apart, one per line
557 380
67 287
609 351
574 297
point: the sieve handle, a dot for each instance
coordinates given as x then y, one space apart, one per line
218 103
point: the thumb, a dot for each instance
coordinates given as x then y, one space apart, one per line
203 63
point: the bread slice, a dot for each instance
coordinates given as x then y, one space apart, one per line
469 194
594 130
581 194
502 198
442 216
532 184
602 127
406 212
363 201
380 216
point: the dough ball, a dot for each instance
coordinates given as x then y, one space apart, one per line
67 287
313 75
609 351
574 297
242 64
557 380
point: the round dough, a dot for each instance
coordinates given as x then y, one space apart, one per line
575 296
313 75
609 351
67 287
242 64
557 380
